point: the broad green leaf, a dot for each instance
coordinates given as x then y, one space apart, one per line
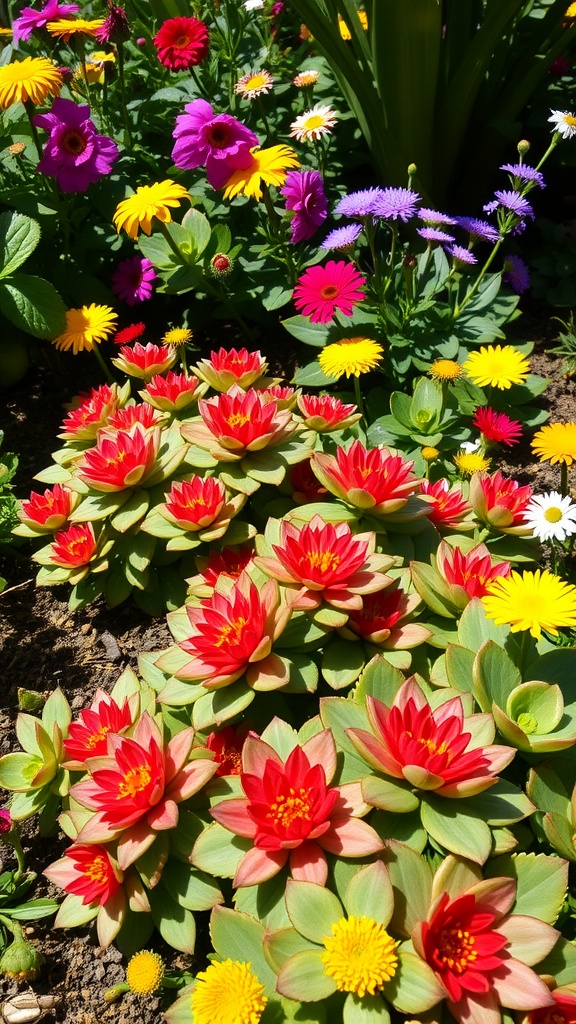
366 1010
303 978
379 679
388 794
19 236
495 676
218 852
411 879
542 882
459 833
459 664
312 909
33 305
342 663
237 936
192 889
312 334
474 629
175 924
265 902
414 988
561 963
369 893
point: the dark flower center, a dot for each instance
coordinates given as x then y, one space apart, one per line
182 41
330 291
73 143
218 135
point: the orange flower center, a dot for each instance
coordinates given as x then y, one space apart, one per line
288 807
182 41
325 561
330 291
97 737
238 419
230 759
231 632
96 871
456 949
433 747
135 780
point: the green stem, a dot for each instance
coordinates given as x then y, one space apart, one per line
358 395
267 128
122 80
100 359
30 113
472 291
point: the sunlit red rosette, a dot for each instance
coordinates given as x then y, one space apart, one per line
480 952
468 574
232 633
447 508
74 547
284 397
431 749
126 418
562 1012
306 486
87 737
93 412
136 787
120 459
228 564
293 814
500 502
239 422
324 562
45 513
232 366
384 619
145 361
201 505
173 392
374 480
323 413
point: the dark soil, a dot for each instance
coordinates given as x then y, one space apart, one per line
44 645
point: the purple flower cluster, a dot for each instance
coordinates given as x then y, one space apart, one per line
74 154
304 193
524 173
133 280
219 141
512 201
435 235
380 204
479 229
342 238
29 19
516 274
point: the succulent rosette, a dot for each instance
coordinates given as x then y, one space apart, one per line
34 775
289 814
196 511
87 737
173 392
92 413
501 502
120 460
228 563
385 619
448 508
375 481
145 361
45 513
75 551
227 367
457 577
323 413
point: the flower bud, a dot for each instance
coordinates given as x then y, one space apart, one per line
523 147
221 265
20 959
412 170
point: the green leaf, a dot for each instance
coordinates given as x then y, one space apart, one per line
19 236
474 629
560 963
266 903
132 512
411 879
218 852
303 977
462 834
370 892
379 679
17 771
389 794
366 1010
175 924
312 376
339 714
218 706
312 909
237 936
74 912
414 988
342 663
192 889
312 334
33 910
459 665
198 229
542 882
495 676
33 304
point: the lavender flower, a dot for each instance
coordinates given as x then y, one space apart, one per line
434 235
74 154
462 255
397 204
511 201
359 204
434 217
217 140
133 280
29 19
342 238
304 192
525 173
516 274
480 229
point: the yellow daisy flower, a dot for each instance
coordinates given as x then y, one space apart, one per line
145 972
66 27
429 453
176 336
256 83
148 201
534 600
343 27
313 124
471 462
34 79
228 991
556 442
445 369
268 165
86 327
571 11
350 356
497 366
360 956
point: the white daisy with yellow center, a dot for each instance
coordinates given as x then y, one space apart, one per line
255 83
551 516
313 124
564 123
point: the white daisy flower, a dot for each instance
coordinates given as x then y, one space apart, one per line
471 446
564 123
313 124
551 517
253 5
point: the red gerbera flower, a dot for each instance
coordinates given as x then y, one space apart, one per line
497 426
128 334
322 290
182 43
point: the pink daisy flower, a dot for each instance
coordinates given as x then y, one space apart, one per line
323 290
497 426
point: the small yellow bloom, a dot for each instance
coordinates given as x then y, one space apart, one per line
360 956
149 201
95 67
429 454
534 600
34 79
177 336
343 27
66 27
145 972
86 327
445 369
268 165
304 79
350 356
256 83
228 993
313 124
497 366
471 462
571 11
556 442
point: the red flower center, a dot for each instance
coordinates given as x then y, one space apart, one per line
291 805
330 291
73 143
181 41
231 633
135 780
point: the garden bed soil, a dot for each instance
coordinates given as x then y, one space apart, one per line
44 645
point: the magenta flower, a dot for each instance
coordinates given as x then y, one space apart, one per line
74 154
217 140
5 821
29 19
133 280
322 290
304 192
116 28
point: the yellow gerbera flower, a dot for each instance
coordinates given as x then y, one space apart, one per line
571 11
148 201
350 356
445 369
471 462
228 991
86 327
268 165
34 79
343 27
534 600
95 67
497 366
66 27
556 442
145 972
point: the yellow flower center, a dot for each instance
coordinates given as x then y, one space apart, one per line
228 993
433 748
231 632
256 82
445 369
456 949
96 871
570 120
429 453
145 972
553 515
177 336
325 561
288 807
312 122
238 419
360 956
97 737
135 780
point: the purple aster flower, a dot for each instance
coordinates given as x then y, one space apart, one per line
116 28
434 235
74 154
359 204
342 238
217 140
462 255
511 201
29 19
133 280
397 204
479 228
516 274
525 173
304 192
433 217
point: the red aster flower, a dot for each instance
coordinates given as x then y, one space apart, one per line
73 547
500 502
306 484
145 361
93 412
87 737
373 480
126 418
323 290
231 366
226 745
122 460
469 575
86 871
383 620
181 43
292 813
129 334
563 1011
324 413
229 563
432 750
173 392
497 426
48 511
448 506
238 422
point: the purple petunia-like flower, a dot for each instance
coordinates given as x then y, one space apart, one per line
461 255
304 192
525 173
516 274
217 140
511 201
480 229
133 280
434 235
74 154
29 19
359 204
342 238
434 217
397 204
